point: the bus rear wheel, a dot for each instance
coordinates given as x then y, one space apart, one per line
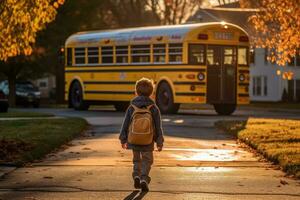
121 106
76 97
165 99
225 109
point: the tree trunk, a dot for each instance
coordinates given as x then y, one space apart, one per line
60 84
12 91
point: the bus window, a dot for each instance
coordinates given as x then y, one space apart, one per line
122 54
159 53
242 56
93 55
69 56
79 55
210 57
107 55
140 53
229 56
197 54
175 53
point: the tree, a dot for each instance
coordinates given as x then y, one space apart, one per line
129 13
277 25
173 11
20 21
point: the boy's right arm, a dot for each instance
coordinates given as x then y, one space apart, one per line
125 126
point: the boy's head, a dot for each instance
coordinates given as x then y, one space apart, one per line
144 87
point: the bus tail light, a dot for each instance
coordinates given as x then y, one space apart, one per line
190 76
244 39
242 77
201 76
202 36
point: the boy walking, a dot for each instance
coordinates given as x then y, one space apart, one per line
140 130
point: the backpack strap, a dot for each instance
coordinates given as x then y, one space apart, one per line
150 106
137 109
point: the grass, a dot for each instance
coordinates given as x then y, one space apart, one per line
27 140
277 139
11 114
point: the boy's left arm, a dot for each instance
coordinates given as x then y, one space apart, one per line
125 126
158 127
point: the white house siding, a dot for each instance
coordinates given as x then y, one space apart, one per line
275 83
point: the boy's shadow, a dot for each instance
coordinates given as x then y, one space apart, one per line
135 195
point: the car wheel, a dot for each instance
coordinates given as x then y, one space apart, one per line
3 109
36 105
76 95
165 99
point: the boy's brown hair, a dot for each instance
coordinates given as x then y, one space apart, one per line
144 87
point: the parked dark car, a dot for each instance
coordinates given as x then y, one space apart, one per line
26 93
3 102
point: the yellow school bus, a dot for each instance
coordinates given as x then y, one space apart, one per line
203 63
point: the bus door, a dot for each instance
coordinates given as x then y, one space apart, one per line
221 74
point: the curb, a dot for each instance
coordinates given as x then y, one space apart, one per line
6 169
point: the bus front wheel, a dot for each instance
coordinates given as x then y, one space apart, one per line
121 106
76 96
225 109
165 99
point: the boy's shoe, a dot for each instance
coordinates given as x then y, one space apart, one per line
144 186
137 182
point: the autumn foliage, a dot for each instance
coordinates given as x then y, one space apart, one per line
20 21
277 25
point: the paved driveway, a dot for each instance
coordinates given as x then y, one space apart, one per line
198 162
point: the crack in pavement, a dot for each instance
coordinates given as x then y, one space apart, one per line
71 189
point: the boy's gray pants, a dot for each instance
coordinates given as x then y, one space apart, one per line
142 161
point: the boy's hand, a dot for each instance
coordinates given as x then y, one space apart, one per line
124 146
159 148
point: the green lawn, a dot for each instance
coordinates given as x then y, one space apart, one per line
11 114
23 141
277 139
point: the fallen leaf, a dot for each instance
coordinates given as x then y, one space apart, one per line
283 182
48 177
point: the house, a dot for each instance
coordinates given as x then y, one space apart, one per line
268 81
46 86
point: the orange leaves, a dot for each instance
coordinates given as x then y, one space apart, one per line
20 20
58 3
278 28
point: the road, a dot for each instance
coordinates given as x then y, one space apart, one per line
198 162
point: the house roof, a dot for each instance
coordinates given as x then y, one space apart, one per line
238 16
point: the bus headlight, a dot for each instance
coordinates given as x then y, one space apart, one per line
201 76
242 77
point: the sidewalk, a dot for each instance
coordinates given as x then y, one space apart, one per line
96 168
